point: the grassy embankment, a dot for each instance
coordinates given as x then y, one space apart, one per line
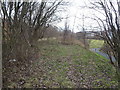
96 43
69 66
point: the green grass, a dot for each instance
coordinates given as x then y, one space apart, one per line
70 66
96 43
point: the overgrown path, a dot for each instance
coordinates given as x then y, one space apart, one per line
69 66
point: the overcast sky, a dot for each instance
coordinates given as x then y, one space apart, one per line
76 11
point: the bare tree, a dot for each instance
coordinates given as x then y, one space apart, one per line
84 33
66 31
24 23
110 26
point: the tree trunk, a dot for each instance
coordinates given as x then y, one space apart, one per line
118 69
119 60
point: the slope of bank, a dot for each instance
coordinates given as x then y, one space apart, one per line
67 66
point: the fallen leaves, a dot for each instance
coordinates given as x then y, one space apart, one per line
62 66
